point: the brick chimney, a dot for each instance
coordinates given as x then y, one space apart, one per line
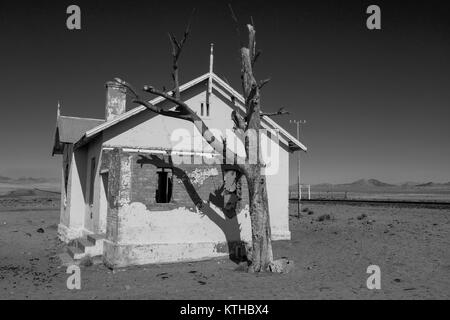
115 101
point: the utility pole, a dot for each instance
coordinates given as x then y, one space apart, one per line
299 206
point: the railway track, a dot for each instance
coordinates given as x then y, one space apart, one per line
387 203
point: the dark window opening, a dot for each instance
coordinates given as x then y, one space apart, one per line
91 182
202 109
164 191
207 109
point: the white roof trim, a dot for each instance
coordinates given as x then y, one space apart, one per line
185 86
80 118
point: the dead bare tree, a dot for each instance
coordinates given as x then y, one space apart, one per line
260 254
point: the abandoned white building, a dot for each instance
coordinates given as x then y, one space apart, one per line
123 196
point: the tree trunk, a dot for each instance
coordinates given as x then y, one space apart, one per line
261 255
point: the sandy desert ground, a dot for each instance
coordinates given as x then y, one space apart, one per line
411 246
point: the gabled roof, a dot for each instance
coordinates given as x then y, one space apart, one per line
71 129
294 144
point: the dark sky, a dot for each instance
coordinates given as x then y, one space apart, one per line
376 102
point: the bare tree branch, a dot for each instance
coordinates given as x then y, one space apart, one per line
263 83
127 86
280 112
236 25
177 48
238 120
161 111
175 45
188 29
255 58
169 97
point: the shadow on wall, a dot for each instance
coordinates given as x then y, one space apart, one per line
226 198
81 164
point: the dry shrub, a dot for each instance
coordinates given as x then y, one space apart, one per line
324 217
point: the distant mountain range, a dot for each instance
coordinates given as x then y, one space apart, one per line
434 184
368 183
374 183
27 180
